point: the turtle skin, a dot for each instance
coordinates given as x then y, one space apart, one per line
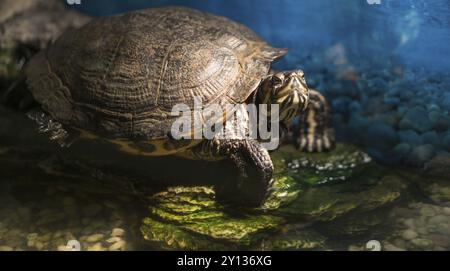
313 131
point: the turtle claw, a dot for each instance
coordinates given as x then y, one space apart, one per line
54 129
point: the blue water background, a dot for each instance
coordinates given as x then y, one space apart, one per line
413 31
383 67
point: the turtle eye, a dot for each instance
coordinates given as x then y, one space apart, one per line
277 80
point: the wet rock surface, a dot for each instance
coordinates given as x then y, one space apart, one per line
333 201
312 194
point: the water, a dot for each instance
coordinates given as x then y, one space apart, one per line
340 202
384 70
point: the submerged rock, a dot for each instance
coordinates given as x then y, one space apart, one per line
296 240
420 155
439 166
416 118
410 137
308 188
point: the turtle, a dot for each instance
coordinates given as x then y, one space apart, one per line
118 78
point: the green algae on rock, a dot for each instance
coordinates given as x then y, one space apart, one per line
306 239
307 188
319 168
326 203
324 186
193 211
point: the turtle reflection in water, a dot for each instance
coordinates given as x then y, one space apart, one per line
119 77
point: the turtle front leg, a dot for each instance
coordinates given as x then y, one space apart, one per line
254 166
51 127
313 131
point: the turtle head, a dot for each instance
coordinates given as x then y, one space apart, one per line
288 90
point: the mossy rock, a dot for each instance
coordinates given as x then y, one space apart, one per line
173 237
319 188
192 211
307 239
319 168
325 186
326 203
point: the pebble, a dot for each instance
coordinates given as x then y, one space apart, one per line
50 191
92 209
446 142
439 166
399 242
416 119
57 234
424 230
117 223
68 201
96 247
94 238
421 154
402 149
439 219
117 246
45 237
354 248
446 210
427 211
32 236
434 117
85 221
6 248
431 138
422 243
380 136
39 245
110 204
24 212
410 137
62 248
409 223
409 234
390 247
117 232
113 240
